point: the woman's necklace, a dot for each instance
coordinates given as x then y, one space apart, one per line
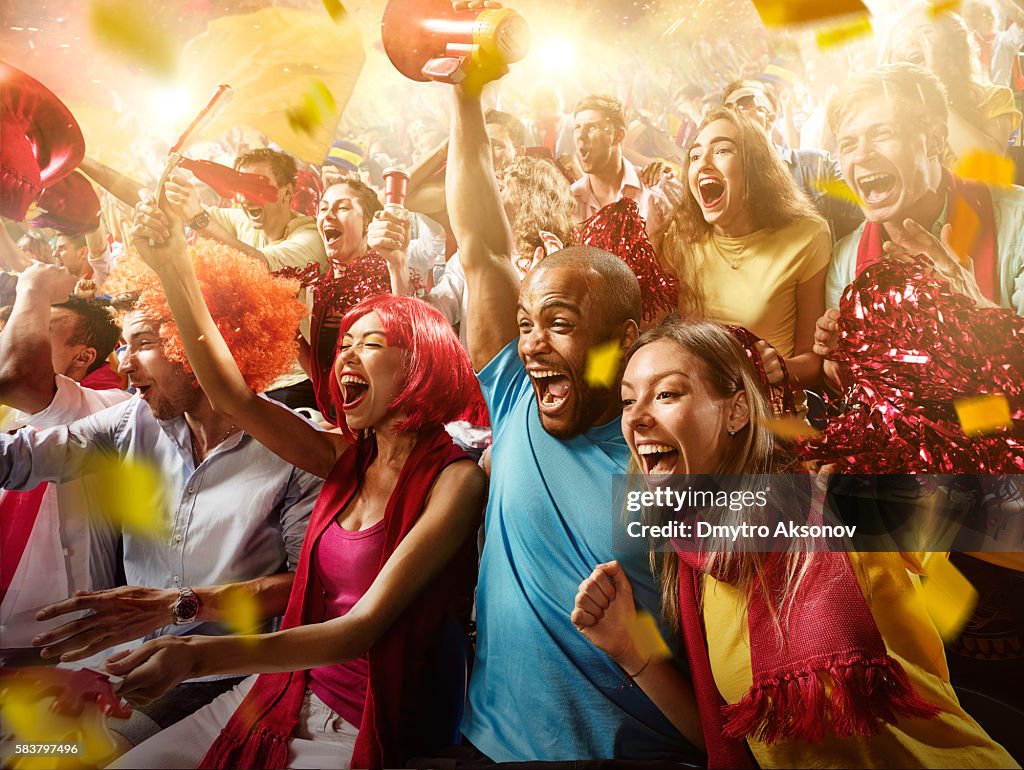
196 458
732 253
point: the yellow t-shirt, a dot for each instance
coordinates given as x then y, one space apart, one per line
891 588
752 281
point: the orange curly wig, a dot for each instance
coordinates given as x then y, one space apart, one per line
256 313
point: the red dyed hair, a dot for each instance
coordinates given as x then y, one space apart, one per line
439 384
256 313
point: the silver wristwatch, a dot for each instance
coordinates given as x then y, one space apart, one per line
186 607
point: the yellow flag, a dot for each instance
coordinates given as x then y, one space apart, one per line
948 597
782 13
983 414
124 28
270 58
841 34
986 167
603 364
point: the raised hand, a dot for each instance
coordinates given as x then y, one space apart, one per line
118 615
51 284
182 196
388 232
157 234
605 614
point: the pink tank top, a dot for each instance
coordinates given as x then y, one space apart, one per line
345 563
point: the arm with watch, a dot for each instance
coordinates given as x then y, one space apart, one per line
127 613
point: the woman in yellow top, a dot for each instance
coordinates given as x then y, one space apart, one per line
834 664
981 115
747 247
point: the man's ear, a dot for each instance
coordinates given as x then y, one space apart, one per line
287 192
936 140
619 136
85 357
630 332
739 414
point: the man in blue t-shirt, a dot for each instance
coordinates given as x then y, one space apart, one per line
539 690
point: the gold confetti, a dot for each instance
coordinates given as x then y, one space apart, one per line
837 188
603 364
964 228
986 167
124 27
782 13
982 415
241 612
647 638
948 596
841 34
317 107
335 10
791 428
131 493
946 6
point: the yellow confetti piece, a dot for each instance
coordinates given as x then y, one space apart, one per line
603 364
948 596
841 34
317 107
131 493
964 228
335 10
782 13
123 27
27 714
241 612
647 638
791 428
947 6
983 414
837 188
986 167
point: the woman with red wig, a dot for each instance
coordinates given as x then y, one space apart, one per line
389 554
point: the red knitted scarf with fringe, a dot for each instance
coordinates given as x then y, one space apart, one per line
829 638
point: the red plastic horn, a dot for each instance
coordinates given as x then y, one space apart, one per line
396 182
428 40
41 141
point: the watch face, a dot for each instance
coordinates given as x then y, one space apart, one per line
187 607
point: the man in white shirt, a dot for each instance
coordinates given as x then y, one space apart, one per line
600 127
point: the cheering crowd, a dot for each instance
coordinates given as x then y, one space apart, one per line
386 427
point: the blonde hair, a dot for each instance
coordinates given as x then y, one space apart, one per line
916 94
724 366
537 197
771 196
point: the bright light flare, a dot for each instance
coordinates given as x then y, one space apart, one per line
557 55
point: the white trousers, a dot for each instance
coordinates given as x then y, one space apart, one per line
322 738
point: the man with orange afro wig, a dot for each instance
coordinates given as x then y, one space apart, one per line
228 524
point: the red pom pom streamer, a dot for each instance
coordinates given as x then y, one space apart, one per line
620 229
913 346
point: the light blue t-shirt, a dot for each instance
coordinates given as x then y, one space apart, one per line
540 691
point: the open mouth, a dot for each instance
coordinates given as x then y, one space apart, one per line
331 235
552 389
657 458
712 191
353 391
255 213
876 188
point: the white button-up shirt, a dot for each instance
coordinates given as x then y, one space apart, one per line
242 514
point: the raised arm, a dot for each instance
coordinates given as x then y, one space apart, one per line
26 362
481 230
451 514
122 187
276 427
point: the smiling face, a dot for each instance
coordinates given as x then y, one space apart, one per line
168 389
560 320
891 163
598 142
672 418
268 216
342 223
717 180
370 373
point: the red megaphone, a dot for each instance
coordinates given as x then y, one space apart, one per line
428 40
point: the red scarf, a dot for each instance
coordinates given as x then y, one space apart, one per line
985 251
830 633
19 510
257 734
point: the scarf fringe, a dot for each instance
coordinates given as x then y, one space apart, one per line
865 694
262 750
